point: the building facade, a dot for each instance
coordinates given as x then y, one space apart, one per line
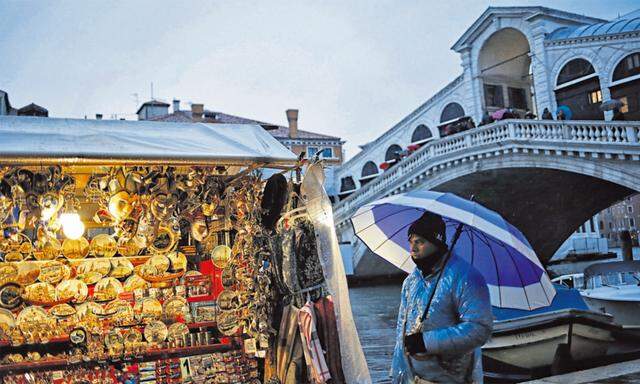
525 58
328 148
623 216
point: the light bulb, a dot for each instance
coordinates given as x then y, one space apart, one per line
72 226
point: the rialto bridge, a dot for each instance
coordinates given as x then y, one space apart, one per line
546 177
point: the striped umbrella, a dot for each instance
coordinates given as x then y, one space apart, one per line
497 249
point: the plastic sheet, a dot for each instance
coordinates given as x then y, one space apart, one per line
319 208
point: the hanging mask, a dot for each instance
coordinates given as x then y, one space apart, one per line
120 205
50 203
199 229
163 206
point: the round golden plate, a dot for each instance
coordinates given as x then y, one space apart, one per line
53 272
114 339
27 273
40 292
74 290
176 307
121 268
32 315
13 257
132 336
134 282
176 331
89 308
101 266
160 262
91 277
155 332
220 256
227 300
178 261
10 295
129 247
8 270
103 245
192 273
50 249
62 310
75 249
148 309
7 320
228 323
107 289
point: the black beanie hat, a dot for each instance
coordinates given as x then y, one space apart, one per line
431 227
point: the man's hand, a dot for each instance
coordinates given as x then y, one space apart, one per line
414 343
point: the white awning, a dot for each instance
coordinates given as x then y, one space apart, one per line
77 141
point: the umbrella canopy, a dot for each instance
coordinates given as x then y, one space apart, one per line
497 115
610 105
566 110
497 249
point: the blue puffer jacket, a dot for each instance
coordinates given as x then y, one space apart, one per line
459 322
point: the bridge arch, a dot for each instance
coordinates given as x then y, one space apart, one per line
391 152
578 87
421 133
625 85
369 172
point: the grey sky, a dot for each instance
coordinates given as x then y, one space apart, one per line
353 68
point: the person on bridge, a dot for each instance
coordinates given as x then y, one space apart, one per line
445 312
546 114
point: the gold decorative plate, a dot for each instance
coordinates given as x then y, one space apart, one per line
103 245
74 290
148 309
176 331
155 332
107 289
75 249
178 261
121 268
134 282
176 307
53 272
62 310
220 256
40 293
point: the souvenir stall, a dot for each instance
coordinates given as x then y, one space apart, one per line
142 252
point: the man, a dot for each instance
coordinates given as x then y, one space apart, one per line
441 343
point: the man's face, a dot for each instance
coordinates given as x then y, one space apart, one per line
420 247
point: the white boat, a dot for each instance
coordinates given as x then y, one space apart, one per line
531 344
614 288
573 280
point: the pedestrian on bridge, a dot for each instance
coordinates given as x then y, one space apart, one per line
445 312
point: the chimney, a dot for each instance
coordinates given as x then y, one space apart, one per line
292 116
98 116
176 105
197 110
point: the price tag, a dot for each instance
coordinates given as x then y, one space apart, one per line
185 368
250 347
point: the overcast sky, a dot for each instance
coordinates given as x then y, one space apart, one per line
353 68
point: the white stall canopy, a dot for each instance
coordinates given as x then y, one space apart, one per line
85 142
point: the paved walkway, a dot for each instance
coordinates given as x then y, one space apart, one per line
375 310
620 373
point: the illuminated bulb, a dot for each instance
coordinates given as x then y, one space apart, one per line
72 226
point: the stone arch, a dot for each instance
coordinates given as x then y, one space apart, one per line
390 154
451 111
569 55
504 71
369 168
581 91
625 72
421 132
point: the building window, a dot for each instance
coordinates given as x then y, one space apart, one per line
493 95
325 153
595 97
601 224
610 225
517 98
575 69
347 184
393 153
632 223
369 169
420 133
629 208
451 112
628 67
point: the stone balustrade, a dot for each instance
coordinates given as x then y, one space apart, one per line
620 137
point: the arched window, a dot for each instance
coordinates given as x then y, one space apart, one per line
575 69
347 184
451 111
421 133
629 66
369 169
391 152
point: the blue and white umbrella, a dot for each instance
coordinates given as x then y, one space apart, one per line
497 249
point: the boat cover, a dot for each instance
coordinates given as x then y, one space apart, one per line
566 298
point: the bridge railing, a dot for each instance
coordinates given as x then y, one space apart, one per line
618 132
